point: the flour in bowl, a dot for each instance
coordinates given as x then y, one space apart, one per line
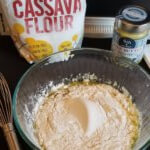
87 116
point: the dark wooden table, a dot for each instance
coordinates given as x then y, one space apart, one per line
13 66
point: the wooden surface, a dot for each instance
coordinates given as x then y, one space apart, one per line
13 66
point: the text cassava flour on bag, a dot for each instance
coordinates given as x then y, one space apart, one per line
42 27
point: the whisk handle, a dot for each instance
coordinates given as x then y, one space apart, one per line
11 137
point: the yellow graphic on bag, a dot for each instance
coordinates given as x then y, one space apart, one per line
18 28
39 48
75 38
65 46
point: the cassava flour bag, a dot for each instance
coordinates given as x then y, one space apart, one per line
42 27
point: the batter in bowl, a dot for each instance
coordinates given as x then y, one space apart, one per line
87 116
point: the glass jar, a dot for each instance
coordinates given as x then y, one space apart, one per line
131 30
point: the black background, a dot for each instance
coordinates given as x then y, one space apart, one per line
13 66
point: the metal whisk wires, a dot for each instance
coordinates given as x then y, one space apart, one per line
5 102
6 115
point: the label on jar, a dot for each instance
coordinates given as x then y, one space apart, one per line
127 47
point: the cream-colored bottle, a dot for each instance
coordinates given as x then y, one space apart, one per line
131 33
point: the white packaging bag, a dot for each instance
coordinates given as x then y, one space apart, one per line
42 27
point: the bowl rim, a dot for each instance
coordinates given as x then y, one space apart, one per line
14 99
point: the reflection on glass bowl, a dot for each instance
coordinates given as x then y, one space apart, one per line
38 80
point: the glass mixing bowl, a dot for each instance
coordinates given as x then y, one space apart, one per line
38 80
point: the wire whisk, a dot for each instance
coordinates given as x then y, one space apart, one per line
6 118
